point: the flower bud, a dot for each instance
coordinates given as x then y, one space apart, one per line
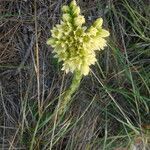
103 33
73 4
66 17
65 9
78 21
98 23
76 11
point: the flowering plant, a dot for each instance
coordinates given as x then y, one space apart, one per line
75 44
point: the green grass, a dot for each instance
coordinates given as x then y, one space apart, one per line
110 110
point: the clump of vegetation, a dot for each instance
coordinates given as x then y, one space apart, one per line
111 108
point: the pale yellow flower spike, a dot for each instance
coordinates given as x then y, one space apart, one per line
73 43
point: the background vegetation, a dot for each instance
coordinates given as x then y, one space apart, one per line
110 111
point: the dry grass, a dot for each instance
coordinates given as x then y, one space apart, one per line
111 108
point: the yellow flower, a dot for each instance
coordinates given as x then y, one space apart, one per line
98 23
66 17
73 43
65 9
79 21
103 33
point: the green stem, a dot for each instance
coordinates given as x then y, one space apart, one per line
66 98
